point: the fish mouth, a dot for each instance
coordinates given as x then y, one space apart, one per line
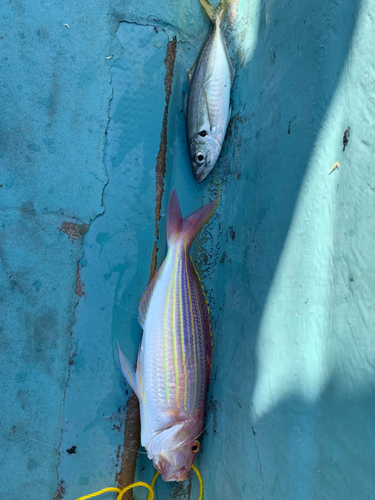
179 475
202 173
169 473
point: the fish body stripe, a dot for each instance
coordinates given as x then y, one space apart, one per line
174 360
174 327
165 345
182 340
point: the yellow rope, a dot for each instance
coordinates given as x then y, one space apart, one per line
121 492
151 494
152 486
200 481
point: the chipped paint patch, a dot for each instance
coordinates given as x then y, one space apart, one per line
74 230
60 491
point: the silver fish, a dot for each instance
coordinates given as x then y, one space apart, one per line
207 108
174 360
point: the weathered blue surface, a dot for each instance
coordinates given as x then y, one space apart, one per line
286 260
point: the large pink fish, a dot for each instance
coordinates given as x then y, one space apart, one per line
174 359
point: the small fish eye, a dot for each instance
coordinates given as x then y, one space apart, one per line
196 446
203 133
199 157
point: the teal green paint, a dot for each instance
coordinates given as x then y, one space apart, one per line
286 260
55 92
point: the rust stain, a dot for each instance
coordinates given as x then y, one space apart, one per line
126 474
73 230
79 285
60 491
161 158
118 455
133 424
71 361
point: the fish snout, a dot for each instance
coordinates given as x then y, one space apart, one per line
173 475
201 173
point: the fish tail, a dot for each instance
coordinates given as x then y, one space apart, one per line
190 226
218 13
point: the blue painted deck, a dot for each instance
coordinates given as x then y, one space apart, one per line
286 260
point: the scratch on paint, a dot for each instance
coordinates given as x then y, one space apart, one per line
132 428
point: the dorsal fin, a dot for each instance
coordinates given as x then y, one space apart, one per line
193 223
146 297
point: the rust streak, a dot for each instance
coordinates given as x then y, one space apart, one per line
79 285
60 491
161 158
126 474
129 454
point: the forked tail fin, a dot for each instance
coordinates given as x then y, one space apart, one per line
219 12
190 226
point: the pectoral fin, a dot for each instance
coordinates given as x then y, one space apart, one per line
129 373
208 107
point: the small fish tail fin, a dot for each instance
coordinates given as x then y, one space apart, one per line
218 13
174 218
193 223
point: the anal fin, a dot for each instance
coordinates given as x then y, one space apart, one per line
207 107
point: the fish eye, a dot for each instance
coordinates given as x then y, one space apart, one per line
196 447
199 157
203 133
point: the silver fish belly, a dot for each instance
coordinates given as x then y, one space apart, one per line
174 359
207 106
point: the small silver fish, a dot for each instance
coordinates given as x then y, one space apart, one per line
207 108
174 359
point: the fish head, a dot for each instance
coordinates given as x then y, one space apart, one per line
204 150
173 450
